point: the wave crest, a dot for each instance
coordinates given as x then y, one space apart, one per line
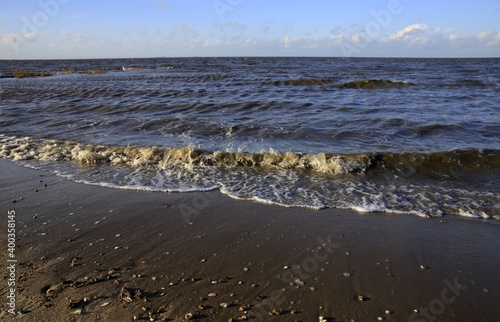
153 156
374 84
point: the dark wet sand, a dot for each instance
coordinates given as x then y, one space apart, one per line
83 244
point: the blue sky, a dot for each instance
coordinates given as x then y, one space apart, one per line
33 29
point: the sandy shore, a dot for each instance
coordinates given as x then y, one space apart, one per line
88 253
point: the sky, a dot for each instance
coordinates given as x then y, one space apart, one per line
74 29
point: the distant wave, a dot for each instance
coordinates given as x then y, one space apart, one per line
378 83
358 84
374 84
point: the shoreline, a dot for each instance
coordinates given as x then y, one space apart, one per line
81 248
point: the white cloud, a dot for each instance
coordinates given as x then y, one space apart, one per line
489 39
414 29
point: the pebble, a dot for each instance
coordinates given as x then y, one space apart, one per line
276 312
54 289
188 316
361 298
77 312
322 319
225 305
298 281
380 318
246 269
212 294
347 274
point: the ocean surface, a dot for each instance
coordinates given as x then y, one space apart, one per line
404 136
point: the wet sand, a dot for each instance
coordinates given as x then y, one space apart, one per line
89 253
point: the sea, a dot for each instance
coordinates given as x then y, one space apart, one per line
402 136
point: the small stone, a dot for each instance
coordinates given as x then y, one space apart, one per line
422 267
322 319
77 312
225 305
298 281
105 304
276 312
347 274
188 316
388 312
212 294
380 318
246 269
361 298
286 267
54 289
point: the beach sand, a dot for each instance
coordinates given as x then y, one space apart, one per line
90 253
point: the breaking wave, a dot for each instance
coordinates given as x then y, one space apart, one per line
454 164
458 182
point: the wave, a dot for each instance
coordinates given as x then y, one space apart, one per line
375 84
358 84
455 164
458 182
381 83
160 157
